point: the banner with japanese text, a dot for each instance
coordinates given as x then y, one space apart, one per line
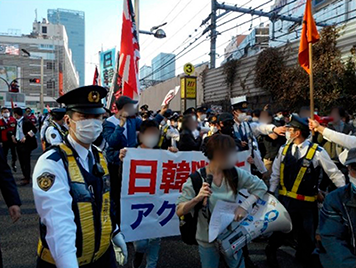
151 183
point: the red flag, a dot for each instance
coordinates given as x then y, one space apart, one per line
128 78
309 35
96 80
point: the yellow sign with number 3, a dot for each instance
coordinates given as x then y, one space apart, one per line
188 68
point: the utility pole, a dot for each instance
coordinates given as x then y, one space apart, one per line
273 16
213 34
41 94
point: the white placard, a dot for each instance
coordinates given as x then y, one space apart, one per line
151 184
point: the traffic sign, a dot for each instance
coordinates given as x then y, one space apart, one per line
188 68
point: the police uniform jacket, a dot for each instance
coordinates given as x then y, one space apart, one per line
53 202
320 159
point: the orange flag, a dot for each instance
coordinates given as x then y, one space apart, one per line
309 35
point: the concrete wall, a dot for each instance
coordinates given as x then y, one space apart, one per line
154 95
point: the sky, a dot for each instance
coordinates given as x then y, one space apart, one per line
103 20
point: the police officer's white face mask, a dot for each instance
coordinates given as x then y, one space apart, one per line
202 117
242 117
88 130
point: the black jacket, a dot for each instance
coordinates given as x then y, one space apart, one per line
7 183
27 126
187 142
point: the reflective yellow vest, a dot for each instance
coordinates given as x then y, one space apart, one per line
293 192
85 218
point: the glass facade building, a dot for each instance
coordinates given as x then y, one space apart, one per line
163 66
74 22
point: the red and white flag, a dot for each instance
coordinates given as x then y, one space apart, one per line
96 80
129 55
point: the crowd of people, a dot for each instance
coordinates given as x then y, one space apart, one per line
309 164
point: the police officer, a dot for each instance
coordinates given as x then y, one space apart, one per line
56 130
72 192
296 170
165 140
246 133
202 117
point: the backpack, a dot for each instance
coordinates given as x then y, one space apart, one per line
188 223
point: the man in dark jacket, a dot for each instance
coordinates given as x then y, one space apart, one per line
26 142
9 191
119 131
338 222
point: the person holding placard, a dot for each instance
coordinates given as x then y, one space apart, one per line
148 138
227 181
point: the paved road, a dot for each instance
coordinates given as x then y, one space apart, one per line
19 241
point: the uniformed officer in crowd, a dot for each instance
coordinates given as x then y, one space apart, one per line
296 171
72 192
7 131
202 117
165 141
56 130
246 133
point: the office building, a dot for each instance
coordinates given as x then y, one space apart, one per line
163 66
330 12
248 45
47 41
233 45
146 72
74 22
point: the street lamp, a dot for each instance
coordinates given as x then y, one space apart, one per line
156 31
28 54
158 34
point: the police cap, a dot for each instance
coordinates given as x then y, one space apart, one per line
351 157
225 117
298 122
190 110
85 100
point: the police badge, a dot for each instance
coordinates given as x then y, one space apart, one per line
45 181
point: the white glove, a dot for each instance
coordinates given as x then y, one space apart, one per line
120 249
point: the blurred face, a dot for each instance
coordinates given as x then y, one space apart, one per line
265 118
192 124
28 111
130 109
304 113
335 115
150 137
226 159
